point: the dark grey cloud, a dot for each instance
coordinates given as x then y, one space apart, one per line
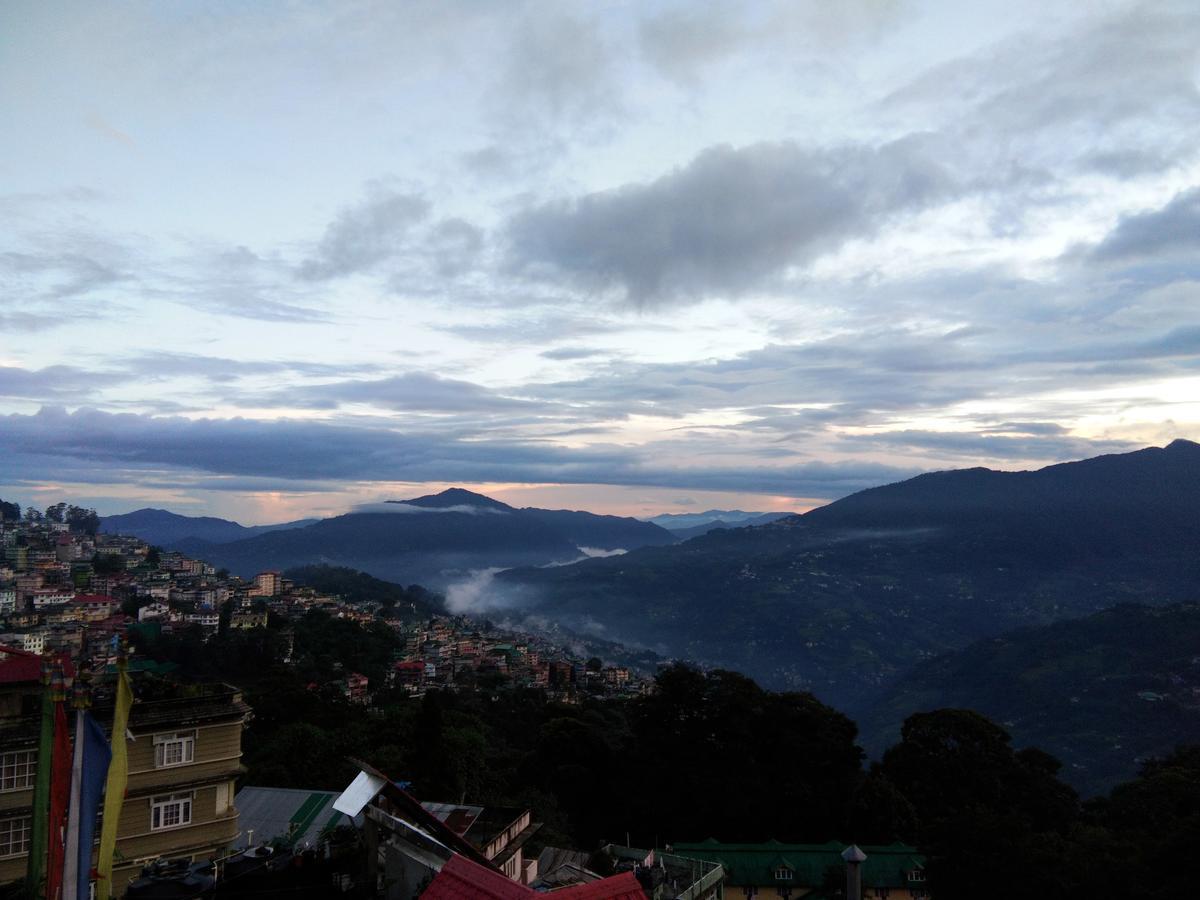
93 446
366 234
726 222
1172 231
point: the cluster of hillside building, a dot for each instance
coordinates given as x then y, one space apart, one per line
448 653
61 587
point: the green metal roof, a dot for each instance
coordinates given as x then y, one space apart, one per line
756 864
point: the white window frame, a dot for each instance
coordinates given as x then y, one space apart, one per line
18 770
783 873
176 748
170 806
15 833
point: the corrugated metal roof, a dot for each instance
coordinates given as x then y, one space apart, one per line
461 879
296 815
619 887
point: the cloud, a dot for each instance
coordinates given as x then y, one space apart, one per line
559 68
62 275
54 384
478 593
411 391
234 281
398 507
366 234
726 222
685 39
126 447
455 246
570 353
1113 93
167 364
982 445
1172 231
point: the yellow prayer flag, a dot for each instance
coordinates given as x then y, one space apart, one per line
114 788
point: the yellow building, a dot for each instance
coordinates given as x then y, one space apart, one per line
184 753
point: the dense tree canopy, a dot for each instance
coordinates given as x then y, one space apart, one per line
708 754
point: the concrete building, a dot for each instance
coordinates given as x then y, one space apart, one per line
184 755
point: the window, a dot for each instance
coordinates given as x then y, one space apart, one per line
174 749
783 873
170 811
916 875
17 770
14 836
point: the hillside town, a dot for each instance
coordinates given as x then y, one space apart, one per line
65 587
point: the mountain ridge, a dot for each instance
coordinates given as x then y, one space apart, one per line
433 540
846 598
164 527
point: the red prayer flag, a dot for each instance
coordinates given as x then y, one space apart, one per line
60 792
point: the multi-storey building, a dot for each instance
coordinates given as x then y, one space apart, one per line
184 754
267 584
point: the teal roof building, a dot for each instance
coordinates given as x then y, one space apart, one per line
773 869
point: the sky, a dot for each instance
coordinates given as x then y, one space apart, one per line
275 260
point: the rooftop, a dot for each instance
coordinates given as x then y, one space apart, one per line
756 864
294 816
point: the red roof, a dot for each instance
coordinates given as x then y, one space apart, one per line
93 598
21 666
619 887
461 879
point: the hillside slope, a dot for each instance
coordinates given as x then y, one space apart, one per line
1102 693
848 597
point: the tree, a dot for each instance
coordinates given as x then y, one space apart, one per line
983 809
81 520
9 511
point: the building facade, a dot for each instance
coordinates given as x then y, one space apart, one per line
184 747
776 871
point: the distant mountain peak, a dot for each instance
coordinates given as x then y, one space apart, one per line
455 497
1183 444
